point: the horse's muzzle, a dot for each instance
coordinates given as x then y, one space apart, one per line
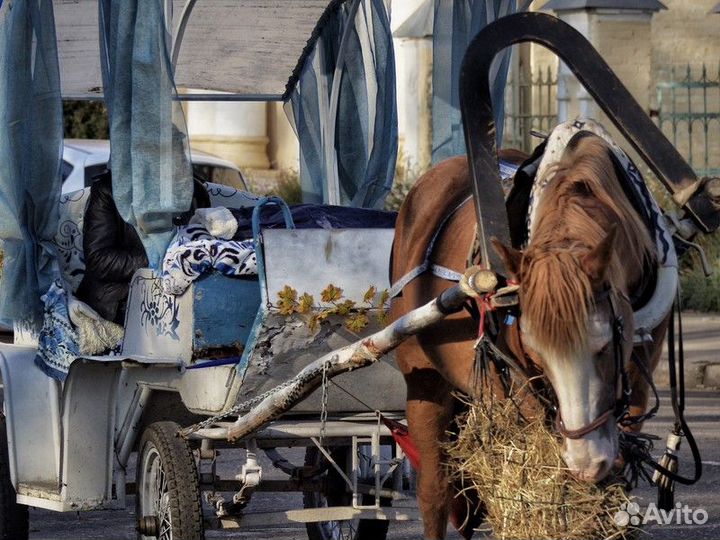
591 458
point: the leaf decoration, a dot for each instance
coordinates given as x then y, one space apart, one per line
288 300
286 307
306 303
331 293
288 293
345 307
356 317
370 295
357 321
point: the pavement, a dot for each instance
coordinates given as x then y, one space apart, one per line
702 346
701 334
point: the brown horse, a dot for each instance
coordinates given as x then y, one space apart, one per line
584 260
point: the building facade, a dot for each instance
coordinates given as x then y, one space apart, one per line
667 54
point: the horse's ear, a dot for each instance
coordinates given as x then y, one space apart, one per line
510 256
597 261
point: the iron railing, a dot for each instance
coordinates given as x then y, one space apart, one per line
530 104
689 114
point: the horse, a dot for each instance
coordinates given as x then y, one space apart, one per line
586 257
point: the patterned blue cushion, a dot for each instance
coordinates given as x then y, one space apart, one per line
229 197
69 238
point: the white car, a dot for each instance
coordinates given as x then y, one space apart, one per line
84 159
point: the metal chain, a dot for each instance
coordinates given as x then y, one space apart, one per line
249 404
241 407
324 404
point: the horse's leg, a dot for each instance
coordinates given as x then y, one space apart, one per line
427 421
429 413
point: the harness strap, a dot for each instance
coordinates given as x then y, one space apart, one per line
588 428
512 367
438 270
678 403
641 364
445 273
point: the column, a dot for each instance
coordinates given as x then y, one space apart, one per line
622 35
236 131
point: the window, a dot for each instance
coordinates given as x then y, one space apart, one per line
219 175
66 170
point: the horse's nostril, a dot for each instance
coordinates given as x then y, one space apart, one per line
597 471
593 472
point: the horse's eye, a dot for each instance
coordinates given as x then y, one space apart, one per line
604 349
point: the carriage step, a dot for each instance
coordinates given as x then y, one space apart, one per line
297 430
314 515
51 498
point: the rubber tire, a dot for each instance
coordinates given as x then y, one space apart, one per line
368 529
178 464
14 518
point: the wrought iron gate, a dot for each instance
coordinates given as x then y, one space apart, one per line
530 104
689 114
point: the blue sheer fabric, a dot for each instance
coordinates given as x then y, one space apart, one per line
149 157
30 156
456 23
344 111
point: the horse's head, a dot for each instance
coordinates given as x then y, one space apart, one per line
578 330
576 320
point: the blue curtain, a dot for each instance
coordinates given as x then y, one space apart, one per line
149 153
344 111
30 156
456 24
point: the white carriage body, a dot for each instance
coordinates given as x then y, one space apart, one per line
66 440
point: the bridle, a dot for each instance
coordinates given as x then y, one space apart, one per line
635 447
619 409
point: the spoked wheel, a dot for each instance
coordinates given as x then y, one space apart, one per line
168 496
13 516
337 494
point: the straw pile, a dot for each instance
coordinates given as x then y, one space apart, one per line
517 468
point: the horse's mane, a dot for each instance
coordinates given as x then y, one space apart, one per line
581 202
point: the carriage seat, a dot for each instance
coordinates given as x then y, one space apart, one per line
69 238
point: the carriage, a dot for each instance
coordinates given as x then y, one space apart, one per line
223 361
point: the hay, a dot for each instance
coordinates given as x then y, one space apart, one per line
517 468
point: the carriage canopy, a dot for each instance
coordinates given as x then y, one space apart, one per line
332 62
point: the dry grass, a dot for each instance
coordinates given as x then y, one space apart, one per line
519 473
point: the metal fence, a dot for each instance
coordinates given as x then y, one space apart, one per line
530 104
688 112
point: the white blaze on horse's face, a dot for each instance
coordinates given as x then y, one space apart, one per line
583 393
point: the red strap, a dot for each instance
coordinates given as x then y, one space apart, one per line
458 506
401 435
485 306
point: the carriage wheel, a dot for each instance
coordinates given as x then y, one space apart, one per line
337 495
168 496
13 516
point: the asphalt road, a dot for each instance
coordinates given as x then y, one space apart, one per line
703 414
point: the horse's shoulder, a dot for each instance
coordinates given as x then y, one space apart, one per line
454 166
446 176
